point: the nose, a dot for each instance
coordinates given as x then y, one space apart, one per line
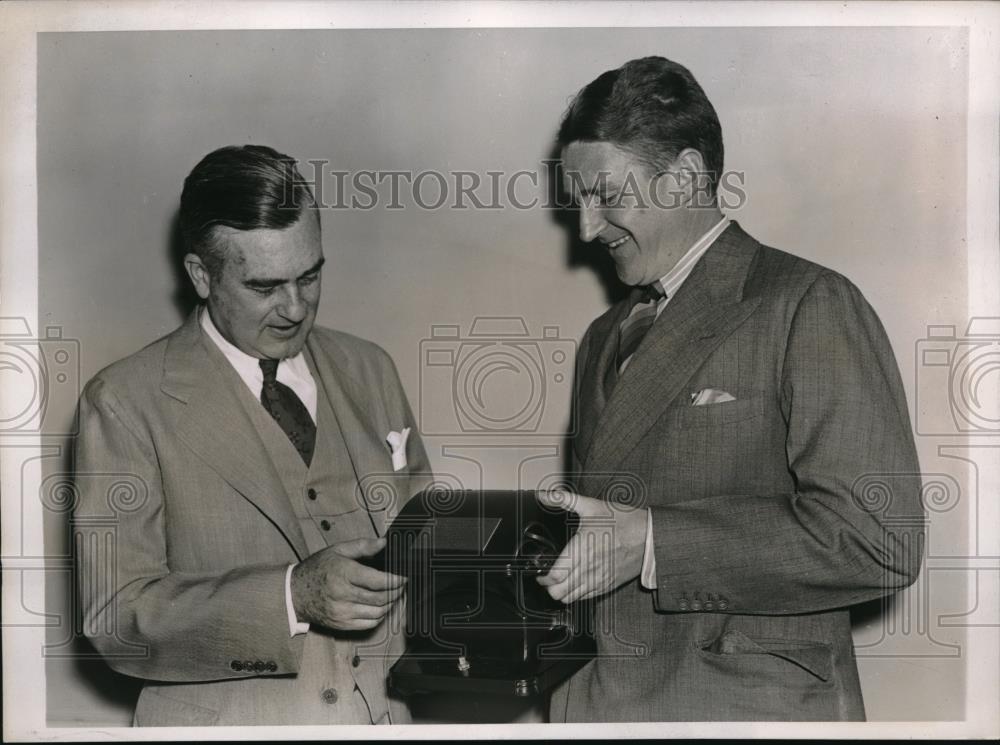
592 222
293 307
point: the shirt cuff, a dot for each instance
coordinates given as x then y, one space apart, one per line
295 627
648 574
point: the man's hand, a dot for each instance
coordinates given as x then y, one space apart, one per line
605 553
331 589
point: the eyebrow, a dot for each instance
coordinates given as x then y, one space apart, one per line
599 188
265 283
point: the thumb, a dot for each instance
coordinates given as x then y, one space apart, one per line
560 499
359 547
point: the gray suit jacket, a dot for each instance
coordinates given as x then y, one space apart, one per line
184 530
765 527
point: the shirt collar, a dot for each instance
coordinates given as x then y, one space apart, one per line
672 280
246 366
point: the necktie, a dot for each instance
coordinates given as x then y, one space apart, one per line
288 411
638 322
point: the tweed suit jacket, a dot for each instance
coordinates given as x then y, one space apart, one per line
186 583
764 533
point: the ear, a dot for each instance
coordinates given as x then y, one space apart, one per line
693 176
683 182
690 167
199 275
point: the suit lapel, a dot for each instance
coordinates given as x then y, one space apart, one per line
352 405
209 418
598 366
707 308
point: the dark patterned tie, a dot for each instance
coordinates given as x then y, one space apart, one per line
288 411
638 321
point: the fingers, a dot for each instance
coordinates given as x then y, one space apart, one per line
583 569
369 587
354 616
563 585
580 592
361 596
361 575
360 612
331 588
560 499
560 569
560 578
580 583
353 625
372 579
563 499
360 547
354 608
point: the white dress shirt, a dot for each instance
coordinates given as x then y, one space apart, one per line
672 282
293 372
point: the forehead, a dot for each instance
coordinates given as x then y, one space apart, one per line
273 254
586 164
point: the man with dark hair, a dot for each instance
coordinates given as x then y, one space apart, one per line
236 590
743 396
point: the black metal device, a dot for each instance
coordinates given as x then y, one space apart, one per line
477 620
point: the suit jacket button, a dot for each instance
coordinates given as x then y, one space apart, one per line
684 605
329 696
356 661
236 665
324 524
695 605
248 666
259 666
311 494
723 605
709 605
272 667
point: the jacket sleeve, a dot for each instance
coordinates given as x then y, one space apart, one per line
145 619
851 530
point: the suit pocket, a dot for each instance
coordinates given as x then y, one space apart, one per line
156 709
767 679
709 415
779 655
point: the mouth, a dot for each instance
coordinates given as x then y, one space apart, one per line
285 332
617 243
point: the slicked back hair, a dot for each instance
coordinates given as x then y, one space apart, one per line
652 108
245 187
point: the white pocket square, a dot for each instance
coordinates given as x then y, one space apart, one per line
397 444
711 396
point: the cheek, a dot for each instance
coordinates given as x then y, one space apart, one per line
311 294
250 312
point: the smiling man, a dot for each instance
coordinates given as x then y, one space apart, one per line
728 411
236 593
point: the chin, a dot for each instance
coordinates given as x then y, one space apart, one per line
293 348
628 278
280 349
